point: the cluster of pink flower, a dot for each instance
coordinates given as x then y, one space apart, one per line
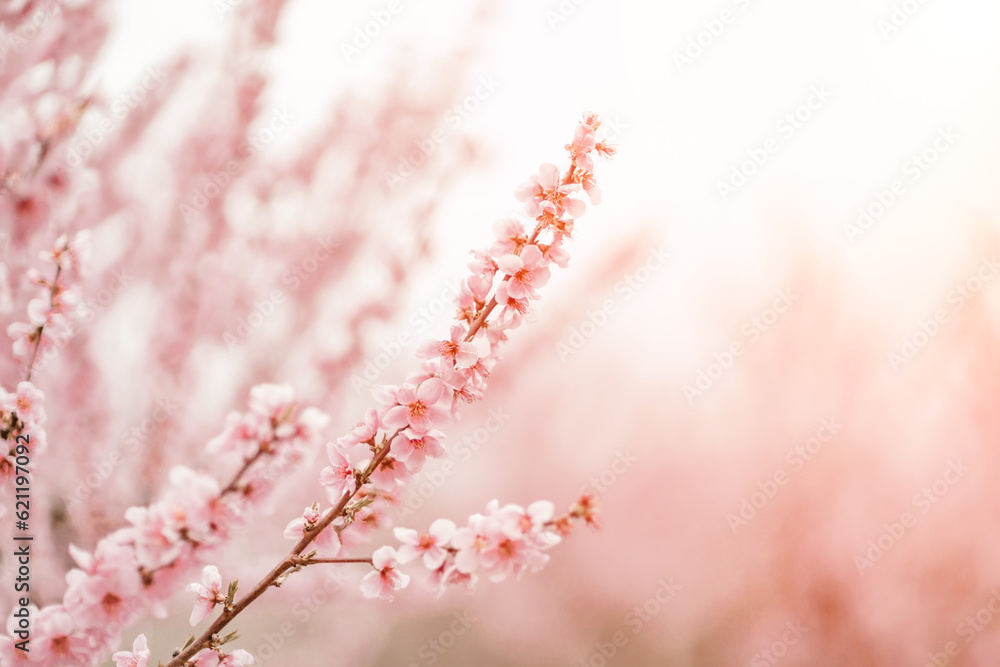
506 540
136 568
455 370
50 315
21 414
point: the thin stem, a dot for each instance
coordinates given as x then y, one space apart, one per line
316 561
234 484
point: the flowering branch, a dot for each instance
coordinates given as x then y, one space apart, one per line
50 321
454 370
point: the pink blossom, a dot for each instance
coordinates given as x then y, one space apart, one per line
207 594
338 477
546 186
413 448
71 255
527 272
327 543
427 545
581 146
482 264
238 658
385 579
275 401
389 473
589 184
366 521
459 352
27 403
212 658
512 309
137 657
363 432
511 237
416 407
535 517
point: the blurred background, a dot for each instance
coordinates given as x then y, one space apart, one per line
772 355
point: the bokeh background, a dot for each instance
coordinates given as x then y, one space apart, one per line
773 355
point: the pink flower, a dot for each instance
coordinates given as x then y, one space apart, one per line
535 517
242 434
27 403
449 575
416 407
427 545
276 401
210 658
327 543
512 310
581 146
589 184
385 579
338 477
546 187
511 237
556 253
207 594
527 272
55 639
105 597
137 657
238 658
413 449
73 254
459 352
482 265
389 473
363 432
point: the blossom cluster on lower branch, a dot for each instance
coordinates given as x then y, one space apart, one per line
134 570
